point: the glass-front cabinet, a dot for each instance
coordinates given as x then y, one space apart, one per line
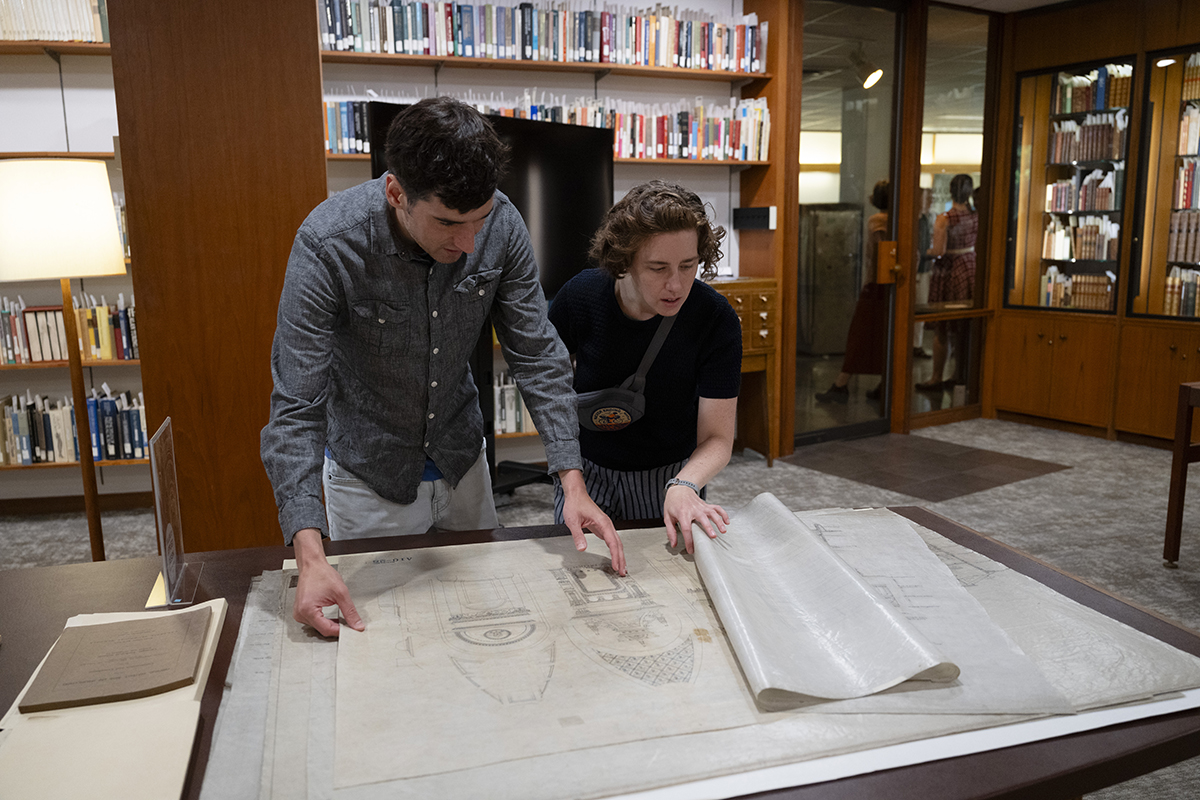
1068 193
1166 268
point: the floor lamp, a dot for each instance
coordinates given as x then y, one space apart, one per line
57 222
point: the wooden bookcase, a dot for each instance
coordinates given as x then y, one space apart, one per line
1068 188
1133 371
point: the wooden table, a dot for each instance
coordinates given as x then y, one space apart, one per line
38 601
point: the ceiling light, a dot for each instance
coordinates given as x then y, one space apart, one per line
1164 62
867 73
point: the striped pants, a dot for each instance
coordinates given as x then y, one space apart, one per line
624 495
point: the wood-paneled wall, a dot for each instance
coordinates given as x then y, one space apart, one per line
219 111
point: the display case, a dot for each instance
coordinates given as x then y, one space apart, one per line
1072 138
1166 268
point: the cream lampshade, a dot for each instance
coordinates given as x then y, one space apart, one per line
57 222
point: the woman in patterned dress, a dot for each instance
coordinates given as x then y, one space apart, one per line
954 271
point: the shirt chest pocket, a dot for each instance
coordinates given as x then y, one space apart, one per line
381 328
473 294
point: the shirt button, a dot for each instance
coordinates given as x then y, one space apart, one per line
381 320
482 292
435 313
427 445
434 384
431 416
435 351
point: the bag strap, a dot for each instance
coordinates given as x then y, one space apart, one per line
637 381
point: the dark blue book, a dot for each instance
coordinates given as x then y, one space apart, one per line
124 416
135 426
93 412
466 26
110 428
48 453
126 336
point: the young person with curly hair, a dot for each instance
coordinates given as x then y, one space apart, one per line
387 290
652 249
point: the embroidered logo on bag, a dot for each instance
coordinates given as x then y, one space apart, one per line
611 418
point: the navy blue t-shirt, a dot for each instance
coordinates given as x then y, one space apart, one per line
702 357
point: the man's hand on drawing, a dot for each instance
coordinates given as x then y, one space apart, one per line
320 585
580 512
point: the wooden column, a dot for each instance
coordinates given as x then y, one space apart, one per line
219 111
906 205
773 254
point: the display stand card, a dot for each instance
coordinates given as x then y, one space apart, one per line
104 663
179 579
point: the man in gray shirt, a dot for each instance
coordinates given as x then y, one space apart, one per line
387 289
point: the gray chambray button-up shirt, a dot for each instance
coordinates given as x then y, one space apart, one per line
371 352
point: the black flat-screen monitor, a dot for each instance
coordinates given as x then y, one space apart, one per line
560 178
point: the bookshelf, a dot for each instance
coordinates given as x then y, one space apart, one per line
1166 270
1160 340
1068 188
350 76
63 93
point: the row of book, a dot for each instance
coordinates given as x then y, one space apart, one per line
1100 136
31 334
511 415
1179 297
1183 238
1081 238
737 131
1060 196
1106 87
39 430
1187 187
1101 190
580 31
1191 78
1092 292
1189 131
54 20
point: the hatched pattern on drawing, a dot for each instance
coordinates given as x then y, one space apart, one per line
673 666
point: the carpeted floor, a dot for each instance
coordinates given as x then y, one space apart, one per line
1098 515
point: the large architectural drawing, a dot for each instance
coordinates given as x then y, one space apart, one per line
516 669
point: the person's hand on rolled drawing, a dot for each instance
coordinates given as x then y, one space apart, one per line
684 508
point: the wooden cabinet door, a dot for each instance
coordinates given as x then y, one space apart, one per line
1153 362
1081 386
1023 366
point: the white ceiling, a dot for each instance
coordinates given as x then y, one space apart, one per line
955 68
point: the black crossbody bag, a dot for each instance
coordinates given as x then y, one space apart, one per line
621 406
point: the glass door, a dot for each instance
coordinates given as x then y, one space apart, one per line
947 332
844 318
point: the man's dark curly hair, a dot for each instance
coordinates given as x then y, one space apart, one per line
445 148
649 209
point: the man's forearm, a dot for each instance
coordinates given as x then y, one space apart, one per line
308 548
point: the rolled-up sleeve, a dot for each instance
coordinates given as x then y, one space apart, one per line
536 357
293 442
